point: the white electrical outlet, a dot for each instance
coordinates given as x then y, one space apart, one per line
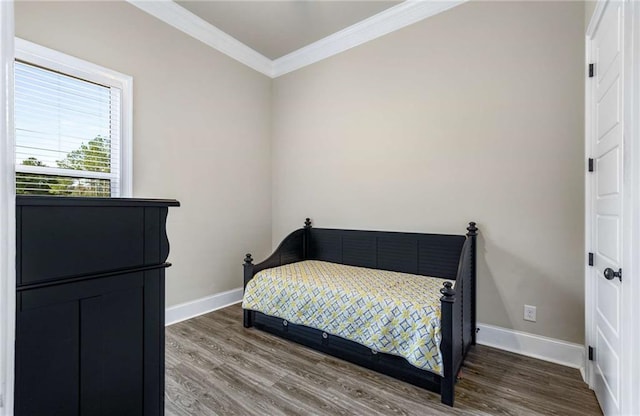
529 313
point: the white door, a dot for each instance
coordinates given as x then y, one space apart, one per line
606 199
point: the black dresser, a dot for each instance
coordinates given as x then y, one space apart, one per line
90 305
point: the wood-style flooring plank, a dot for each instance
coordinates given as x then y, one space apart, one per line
215 366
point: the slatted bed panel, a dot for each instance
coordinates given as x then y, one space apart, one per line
435 255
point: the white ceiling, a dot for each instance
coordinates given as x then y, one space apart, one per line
277 28
305 26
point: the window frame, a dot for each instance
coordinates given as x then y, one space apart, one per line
34 54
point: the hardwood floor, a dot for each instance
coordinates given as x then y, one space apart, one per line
214 366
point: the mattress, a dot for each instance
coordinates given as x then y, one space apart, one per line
390 312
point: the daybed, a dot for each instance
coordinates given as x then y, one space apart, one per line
331 270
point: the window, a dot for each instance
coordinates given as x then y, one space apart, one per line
73 125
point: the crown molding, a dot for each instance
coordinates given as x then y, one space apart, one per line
387 21
187 22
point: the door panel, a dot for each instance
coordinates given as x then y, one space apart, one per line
608 110
96 331
605 291
609 45
608 174
41 332
606 202
607 241
609 365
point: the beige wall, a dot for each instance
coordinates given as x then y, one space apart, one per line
475 114
201 133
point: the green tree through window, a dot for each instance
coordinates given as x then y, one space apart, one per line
95 156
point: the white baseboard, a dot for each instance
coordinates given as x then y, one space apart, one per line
535 346
187 310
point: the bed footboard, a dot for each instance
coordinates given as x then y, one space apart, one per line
458 317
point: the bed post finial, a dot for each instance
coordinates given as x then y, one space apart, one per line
306 239
448 293
248 259
473 230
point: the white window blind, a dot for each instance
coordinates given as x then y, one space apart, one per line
67 134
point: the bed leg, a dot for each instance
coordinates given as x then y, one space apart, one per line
447 392
247 319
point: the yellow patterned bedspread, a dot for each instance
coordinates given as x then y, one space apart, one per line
391 312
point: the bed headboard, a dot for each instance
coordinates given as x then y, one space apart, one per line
434 255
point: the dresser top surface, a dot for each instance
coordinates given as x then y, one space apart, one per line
36 200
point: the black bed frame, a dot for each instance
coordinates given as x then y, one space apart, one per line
445 256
